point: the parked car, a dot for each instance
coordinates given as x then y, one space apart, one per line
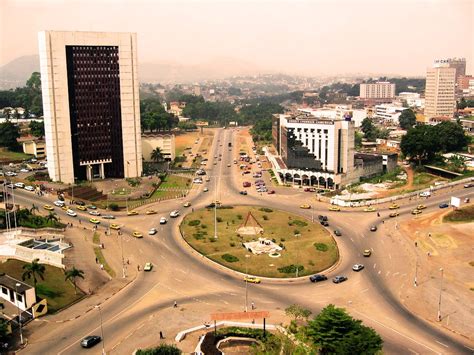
71 213
367 253
81 208
174 214
425 194
443 205
243 192
338 279
317 278
90 341
163 220
271 192
108 216
325 223
357 267
29 188
187 204
252 279
337 233
205 189
373 228
246 184
137 234
152 231
20 185
468 185
148 267
79 203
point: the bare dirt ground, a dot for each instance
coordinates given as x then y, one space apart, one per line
195 141
445 258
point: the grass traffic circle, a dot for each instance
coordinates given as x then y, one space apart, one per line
306 246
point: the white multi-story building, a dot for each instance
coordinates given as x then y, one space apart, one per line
91 104
412 99
388 112
337 112
439 91
378 90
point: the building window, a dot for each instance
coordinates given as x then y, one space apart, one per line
19 298
4 290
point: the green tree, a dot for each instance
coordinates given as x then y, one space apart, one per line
407 119
36 128
457 163
157 155
9 132
3 325
33 209
52 217
7 112
450 137
297 312
358 139
162 349
33 270
72 275
369 129
419 143
336 332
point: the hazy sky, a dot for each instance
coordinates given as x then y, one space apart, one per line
308 37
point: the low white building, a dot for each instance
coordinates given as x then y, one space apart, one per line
412 99
16 292
389 112
166 143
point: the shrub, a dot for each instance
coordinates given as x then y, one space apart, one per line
213 240
281 245
203 226
298 223
290 269
239 216
321 246
230 258
296 231
198 236
160 350
113 206
266 209
282 239
232 244
194 222
219 219
265 217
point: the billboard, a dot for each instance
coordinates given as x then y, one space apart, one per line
455 201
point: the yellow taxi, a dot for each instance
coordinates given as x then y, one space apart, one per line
65 208
150 212
252 279
305 206
369 209
114 226
187 204
416 211
394 214
132 213
394 206
420 207
94 220
81 208
137 234
334 208
48 207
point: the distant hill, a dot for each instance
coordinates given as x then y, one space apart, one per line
18 71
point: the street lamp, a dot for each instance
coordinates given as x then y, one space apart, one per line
440 291
121 247
19 313
416 271
101 330
215 207
246 282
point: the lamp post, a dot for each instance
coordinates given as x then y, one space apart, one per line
101 330
123 264
440 292
246 282
416 271
19 313
215 207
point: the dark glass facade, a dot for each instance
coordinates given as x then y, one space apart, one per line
94 106
296 155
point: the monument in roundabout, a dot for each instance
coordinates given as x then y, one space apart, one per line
250 226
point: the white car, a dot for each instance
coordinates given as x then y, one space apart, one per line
197 181
20 185
205 189
152 231
59 203
174 214
425 194
94 213
24 171
163 220
10 173
29 188
71 213
357 267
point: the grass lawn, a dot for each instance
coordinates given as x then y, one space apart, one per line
8 156
422 180
463 214
101 258
54 288
176 182
298 250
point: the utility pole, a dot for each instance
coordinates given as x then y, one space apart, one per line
121 247
440 292
101 330
416 271
215 207
19 313
246 282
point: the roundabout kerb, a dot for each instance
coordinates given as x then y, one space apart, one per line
304 243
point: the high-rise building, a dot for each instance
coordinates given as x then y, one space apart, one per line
457 63
91 105
378 90
439 91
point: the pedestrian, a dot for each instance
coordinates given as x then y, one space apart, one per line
80 222
253 306
128 262
429 235
96 260
175 305
138 267
429 254
416 244
378 214
161 335
102 266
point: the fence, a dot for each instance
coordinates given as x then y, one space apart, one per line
133 205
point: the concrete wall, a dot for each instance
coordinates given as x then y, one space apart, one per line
166 142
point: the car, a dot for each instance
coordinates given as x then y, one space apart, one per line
90 341
228 165
337 233
394 214
94 213
252 279
425 194
324 223
420 207
81 208
317 278
174 214
394 206
163 220
94 220
243 192
65 208
208 179
24 170
150 212
305 206
197 181
466 186
48 207
20 185
108 216
322 218
357 267
137 234
373 228
71 213
29 188
338 279
246 184
187 204
114 226
10 173
91 207
132 213
152 231
467 200
201 172
369 209
367 253
79 203
416 211
334 208
205 189
59 203
443 205
271 192
148 267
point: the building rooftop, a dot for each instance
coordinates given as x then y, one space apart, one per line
10 282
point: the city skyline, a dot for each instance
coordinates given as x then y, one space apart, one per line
307 38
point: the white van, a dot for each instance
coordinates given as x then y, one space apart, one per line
59 203
425 194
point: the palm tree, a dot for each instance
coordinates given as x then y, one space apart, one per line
72 274
52 217
33 209
157 155
33 270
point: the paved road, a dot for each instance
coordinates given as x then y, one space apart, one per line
202 287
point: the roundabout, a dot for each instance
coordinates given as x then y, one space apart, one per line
260 241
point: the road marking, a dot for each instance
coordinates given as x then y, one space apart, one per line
395 274
352 240
364 290
232 294
372 249
382 241
225 302
388 273
390 256
178 280
403 275
375 265
442 344
413 351
472 349
379 272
